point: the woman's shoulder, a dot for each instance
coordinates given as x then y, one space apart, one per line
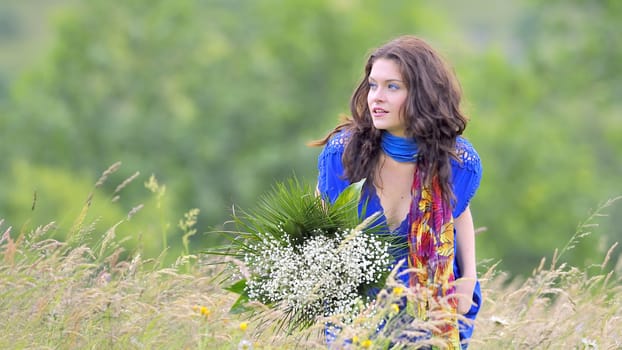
467 155
466 174
337 142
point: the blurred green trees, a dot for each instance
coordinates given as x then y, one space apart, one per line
217 99
549 126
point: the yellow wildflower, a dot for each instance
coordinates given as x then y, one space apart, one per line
204 311
395 308
397 291
366 344
243 326
355 339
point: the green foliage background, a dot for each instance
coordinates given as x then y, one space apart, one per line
218 98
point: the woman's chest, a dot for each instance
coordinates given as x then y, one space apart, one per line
393 189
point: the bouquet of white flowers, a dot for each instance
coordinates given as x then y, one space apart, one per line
308 258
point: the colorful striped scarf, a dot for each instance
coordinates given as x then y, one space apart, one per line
431 256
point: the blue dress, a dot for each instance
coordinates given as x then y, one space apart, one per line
466 176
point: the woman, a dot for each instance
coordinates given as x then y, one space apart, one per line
404 138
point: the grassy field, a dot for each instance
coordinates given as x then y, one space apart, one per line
70 295
54 296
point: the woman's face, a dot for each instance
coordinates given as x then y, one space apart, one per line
387 96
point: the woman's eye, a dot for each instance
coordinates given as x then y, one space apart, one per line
394 87
372 85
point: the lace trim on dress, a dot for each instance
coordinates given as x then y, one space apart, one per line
337 142
466 153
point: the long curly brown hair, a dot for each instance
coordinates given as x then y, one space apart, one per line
432 114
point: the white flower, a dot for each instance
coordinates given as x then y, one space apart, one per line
589 343
321 276
245 345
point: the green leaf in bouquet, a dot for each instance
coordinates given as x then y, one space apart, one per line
240 304
350 196
238 287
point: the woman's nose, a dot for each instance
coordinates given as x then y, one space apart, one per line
378 94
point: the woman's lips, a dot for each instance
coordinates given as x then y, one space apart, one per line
378 112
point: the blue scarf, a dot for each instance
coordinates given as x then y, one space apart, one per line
400 149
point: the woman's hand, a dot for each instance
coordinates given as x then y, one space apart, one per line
464 294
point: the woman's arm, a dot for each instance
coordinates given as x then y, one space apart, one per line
465 253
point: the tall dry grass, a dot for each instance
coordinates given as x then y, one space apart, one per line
69 295
558 306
